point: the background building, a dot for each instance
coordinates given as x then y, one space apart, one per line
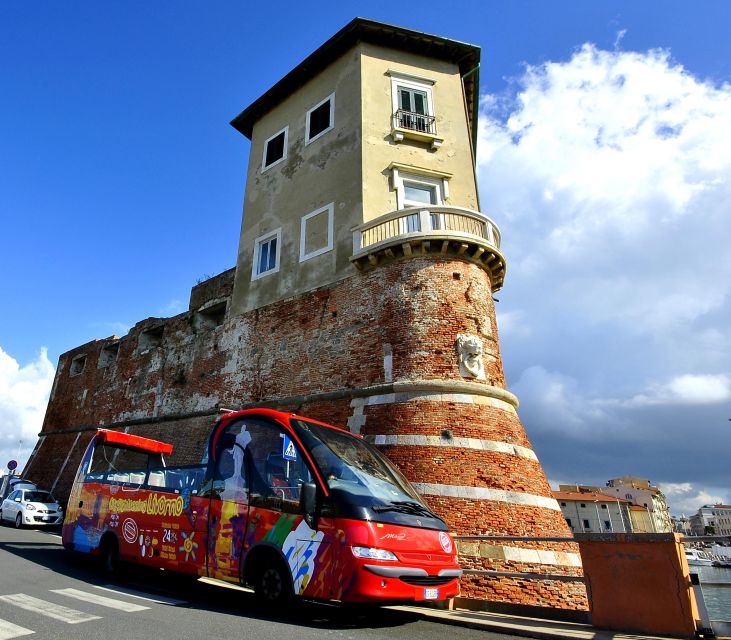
640 493
594 512
711 519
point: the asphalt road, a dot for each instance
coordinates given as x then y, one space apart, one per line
49 593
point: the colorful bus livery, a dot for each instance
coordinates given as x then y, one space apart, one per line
282 503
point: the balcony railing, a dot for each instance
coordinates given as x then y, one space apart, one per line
434 229
415 122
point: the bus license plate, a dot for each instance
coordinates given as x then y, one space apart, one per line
431 594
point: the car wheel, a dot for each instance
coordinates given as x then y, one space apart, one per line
273 586
18 521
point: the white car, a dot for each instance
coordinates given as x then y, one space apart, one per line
32 508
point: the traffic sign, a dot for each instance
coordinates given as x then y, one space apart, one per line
288 450
12 465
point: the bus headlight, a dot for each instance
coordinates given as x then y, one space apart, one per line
369 553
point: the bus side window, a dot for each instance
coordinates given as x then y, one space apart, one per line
275 482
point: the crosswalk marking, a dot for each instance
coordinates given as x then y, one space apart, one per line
95 598
49 609
133 593
9 630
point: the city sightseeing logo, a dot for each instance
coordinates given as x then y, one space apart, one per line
445 541
153 506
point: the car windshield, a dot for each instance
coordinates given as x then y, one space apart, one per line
352 465
39 496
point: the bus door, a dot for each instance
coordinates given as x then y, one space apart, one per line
229 500
258 472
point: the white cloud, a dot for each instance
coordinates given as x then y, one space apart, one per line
684 498
24 392
609 175
686 389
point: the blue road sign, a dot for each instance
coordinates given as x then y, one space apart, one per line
288 450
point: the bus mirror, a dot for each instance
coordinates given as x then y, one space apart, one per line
308 503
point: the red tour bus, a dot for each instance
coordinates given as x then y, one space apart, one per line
285 504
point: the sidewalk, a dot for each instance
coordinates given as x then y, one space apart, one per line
519 626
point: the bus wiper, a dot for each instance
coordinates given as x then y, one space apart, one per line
405 506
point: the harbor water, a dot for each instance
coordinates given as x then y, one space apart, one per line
716 587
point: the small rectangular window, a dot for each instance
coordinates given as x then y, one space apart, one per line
77 365
320 119
266 254
607 525
275 149
414 190
416 193
604 506
151 338
586 524
108 355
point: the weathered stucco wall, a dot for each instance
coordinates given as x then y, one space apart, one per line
312 176
453 158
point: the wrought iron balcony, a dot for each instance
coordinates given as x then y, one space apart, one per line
442 230
415 122
416 126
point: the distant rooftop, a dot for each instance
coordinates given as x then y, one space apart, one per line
586 496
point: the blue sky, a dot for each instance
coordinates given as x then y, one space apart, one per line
121 185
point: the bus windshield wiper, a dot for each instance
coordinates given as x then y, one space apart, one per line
406 506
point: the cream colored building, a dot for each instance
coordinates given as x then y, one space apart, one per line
594 512
639 492
362 153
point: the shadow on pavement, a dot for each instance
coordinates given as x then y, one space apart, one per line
49 554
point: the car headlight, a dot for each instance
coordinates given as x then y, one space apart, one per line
30 507
369 553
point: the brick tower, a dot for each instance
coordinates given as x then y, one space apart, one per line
362 295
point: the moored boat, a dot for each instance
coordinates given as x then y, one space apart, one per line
695 559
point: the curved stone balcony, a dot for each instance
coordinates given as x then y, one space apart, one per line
430 230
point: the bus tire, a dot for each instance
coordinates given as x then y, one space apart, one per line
109 555
273 582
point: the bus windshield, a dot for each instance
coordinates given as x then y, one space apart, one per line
353 466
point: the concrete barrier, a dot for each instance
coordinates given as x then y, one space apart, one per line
639 583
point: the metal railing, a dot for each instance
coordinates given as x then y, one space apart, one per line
415 122
430 220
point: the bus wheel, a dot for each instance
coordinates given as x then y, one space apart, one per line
109 556
273 585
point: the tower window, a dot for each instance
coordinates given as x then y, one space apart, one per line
413 109
275 149
416 193
320 119
415 190
266 254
